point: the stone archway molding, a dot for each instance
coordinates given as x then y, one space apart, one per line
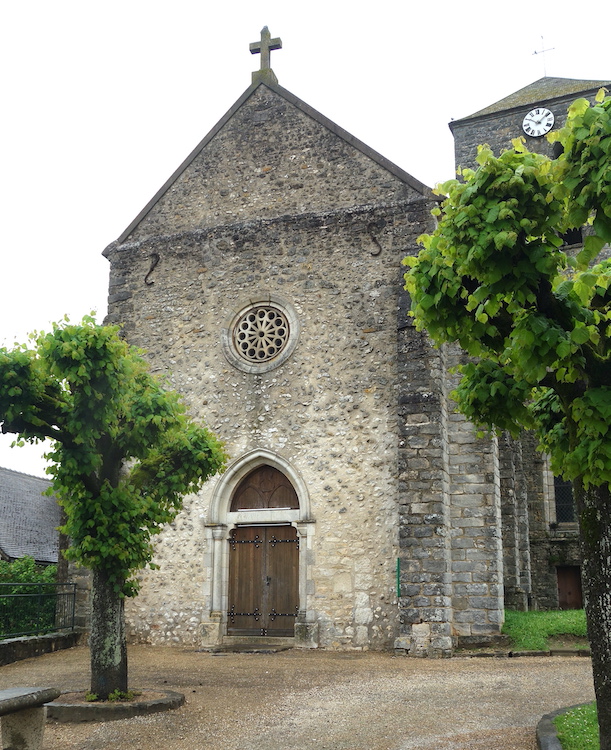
228 482
218 524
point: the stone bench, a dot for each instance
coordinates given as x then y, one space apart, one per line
22 716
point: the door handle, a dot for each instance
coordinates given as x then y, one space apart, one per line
268 580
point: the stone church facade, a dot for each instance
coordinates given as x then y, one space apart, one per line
358 510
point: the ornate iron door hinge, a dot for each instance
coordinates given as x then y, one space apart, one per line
232 614
257 541
273 614
274 541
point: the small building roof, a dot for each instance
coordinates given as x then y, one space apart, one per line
544 90
28 519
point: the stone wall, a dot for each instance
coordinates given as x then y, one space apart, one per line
516 529
477 562
82 606
273 156
556 548
329 410
16 649
278 206
451 567
424 520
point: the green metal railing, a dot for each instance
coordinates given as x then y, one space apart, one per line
36 608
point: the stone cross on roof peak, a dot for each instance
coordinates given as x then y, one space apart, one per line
264 47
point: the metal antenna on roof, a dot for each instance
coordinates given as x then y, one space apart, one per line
542 51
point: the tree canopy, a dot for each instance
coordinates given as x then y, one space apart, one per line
124 454
496 278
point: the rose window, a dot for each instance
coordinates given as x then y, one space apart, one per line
261 333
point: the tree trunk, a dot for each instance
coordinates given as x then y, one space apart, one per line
107 642
594 509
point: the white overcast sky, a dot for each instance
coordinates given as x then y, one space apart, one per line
103 100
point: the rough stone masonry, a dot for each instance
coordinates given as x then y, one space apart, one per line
409 526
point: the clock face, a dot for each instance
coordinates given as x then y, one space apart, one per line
538 122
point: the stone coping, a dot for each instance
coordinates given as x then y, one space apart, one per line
13 700
26 647
547 739
519 654
112 711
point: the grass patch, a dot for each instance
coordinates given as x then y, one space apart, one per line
531 631
114 697
578 729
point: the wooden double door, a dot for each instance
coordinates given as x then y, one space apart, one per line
263 580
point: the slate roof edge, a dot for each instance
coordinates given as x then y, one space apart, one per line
307 109
25 474
488 114
28 518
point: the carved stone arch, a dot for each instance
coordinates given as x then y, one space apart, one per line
224 527
239 469
265 488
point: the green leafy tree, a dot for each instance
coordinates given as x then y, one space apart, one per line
124 455
537 324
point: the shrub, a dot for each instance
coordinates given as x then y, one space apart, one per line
25 570
36 611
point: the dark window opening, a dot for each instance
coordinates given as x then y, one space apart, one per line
565 505
557 149
572 237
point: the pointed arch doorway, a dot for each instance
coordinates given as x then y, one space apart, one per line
243 504
263 593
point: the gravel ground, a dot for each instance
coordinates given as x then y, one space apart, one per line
315 700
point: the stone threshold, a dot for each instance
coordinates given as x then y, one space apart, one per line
245 649
519 654
250 645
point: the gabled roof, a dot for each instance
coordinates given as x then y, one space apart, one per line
544 90
28 519
305 108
